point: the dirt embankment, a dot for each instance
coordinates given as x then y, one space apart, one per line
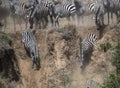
58 50
9 67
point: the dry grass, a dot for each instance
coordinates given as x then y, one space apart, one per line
60 65
58 49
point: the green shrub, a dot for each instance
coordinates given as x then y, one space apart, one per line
66 81
4 37
112 81
118 19
105 46
116 56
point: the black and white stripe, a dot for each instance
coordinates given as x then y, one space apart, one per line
19 12
92 8
87 46
47 3
40 13
64 10
85 9
99 14
21 8
31 48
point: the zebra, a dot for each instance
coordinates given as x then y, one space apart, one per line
99 16
62 10
50 5
94 8
40 13
112 6
31 48
19 11
85 9
86 46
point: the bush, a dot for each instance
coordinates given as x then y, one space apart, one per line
105 46
66 81
118 19
112 81
116 56
5 38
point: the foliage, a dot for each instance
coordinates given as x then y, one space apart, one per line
118 19
116 56
66 81
112 81
105 46
4 37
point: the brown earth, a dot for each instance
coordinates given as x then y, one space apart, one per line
58 49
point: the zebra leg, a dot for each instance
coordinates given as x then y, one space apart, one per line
81 58
51 18
46 22
97 22
33 60
102 21
56 21
36 22
97 19
14 24
5 24
117 15
37 63
31 23
112 17
40 23
108 18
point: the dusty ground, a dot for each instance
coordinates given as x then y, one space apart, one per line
57 71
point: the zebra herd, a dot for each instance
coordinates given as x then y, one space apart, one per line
41 12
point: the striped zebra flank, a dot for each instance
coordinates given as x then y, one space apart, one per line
40 13
64 10
31 47
86 46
